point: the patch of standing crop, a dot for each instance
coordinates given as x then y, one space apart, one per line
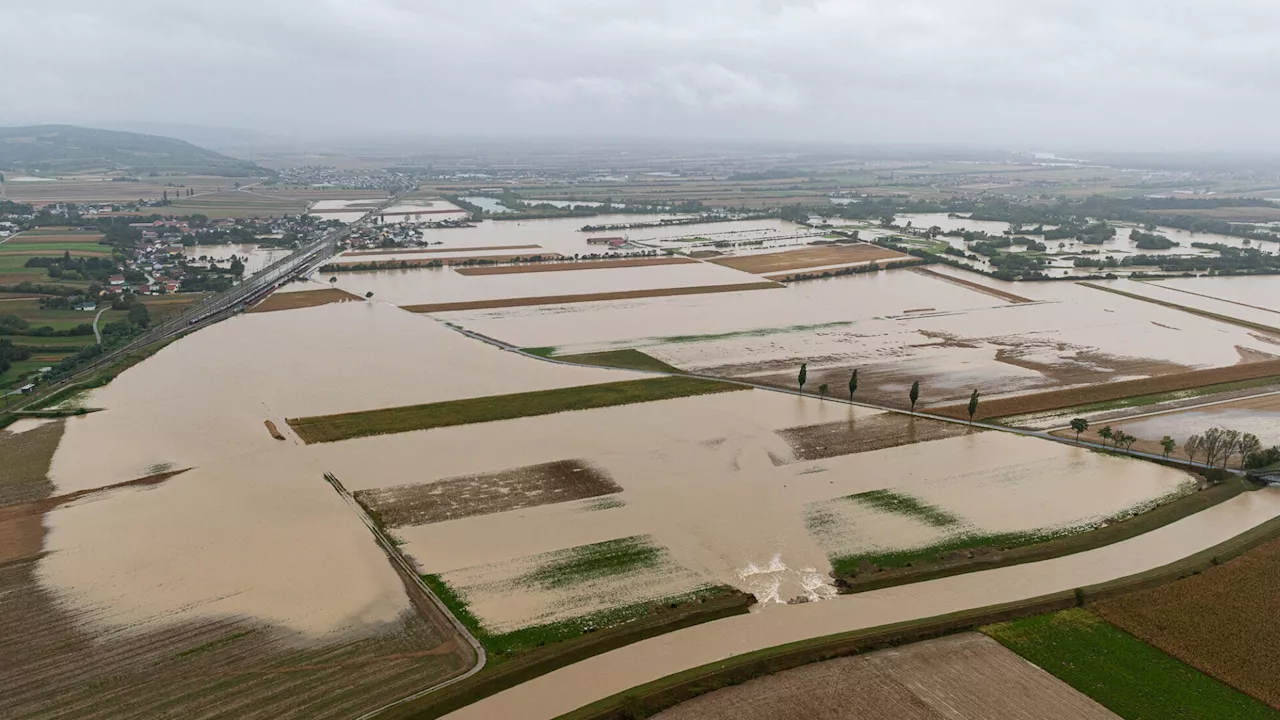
846 437
487 493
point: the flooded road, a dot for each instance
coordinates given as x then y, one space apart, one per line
604 675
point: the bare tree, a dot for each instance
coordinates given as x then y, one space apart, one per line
1192 448
1249 444
1230 445
1211 445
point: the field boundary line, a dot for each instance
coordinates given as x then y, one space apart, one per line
1042 434
404 566
1187 309
678 687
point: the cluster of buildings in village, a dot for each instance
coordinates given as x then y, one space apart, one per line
160 254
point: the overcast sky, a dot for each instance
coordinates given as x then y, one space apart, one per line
1032 74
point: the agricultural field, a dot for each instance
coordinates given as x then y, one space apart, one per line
255 257
967 675
1212 621
727 489
816 258
303 299
229 203
54 242
198 632
447 286
896 327
1258 415
1122 673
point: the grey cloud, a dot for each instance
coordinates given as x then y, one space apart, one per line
1123 73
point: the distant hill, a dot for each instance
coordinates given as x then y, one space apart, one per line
67 148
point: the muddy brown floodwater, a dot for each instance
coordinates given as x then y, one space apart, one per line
614 672
715 481
204 398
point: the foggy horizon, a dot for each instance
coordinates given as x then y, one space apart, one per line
1056 76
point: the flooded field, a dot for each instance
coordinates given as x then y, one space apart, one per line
254 257
577 685
1256 290
444 285
1061 253
564 235
651 322
960 676
246 586
205 397
143 558
720 489
347 211
1259 416
897 327
1186 295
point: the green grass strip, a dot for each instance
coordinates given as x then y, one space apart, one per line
330 428
906 505
1127 676
502 646
629 359
597 560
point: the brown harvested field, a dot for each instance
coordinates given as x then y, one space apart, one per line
580 265
846 437
486 493
58 664
58 661
404 264
810 257
303 299
974 286
26 461
587 297
1221 621
805 274
959 676
1104 392
415 251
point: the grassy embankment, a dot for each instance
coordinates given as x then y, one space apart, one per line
660 694
628 359
1127 676
521 655
965 553
345 426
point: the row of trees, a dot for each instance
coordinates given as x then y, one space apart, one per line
913 395
1217 446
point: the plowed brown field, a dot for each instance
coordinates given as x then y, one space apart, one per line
818 256
961 676
1221 621
302 299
